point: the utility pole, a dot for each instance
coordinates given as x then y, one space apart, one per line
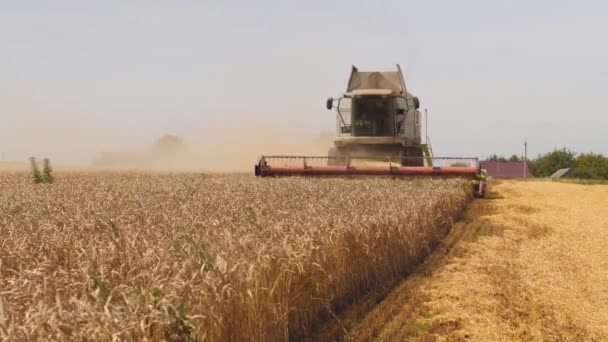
525 157
426 126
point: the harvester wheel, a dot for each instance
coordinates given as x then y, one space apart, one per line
480 193
412 156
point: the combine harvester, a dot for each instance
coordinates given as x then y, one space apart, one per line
378 134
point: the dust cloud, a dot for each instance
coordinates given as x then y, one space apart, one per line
234 153
92 140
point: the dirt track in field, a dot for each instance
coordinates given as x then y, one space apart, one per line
528 263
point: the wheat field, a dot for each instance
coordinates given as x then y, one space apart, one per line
142 256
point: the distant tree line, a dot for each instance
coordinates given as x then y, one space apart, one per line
513 158
584 165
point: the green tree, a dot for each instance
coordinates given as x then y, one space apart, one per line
515 158
36 171
497 158
46 176
591 166
47 171
545 165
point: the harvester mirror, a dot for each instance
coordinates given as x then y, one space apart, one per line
416 103
330 103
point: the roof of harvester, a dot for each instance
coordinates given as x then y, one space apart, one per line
392 80
508 169
371 92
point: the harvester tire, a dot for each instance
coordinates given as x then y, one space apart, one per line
476 191
412 156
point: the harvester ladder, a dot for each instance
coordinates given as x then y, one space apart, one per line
427 150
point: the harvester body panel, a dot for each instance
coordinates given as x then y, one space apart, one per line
376 105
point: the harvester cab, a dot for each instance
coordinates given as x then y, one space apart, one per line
377 116
378 134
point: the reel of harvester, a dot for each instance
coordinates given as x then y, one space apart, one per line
346 166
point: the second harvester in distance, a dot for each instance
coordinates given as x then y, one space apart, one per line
378 134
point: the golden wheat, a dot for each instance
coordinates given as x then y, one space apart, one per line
137 256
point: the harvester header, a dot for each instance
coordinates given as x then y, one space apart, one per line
325 166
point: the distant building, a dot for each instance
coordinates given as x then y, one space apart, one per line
506 169
561 173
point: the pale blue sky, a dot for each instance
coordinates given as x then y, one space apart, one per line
120 73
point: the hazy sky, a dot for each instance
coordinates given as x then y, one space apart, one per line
80 77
